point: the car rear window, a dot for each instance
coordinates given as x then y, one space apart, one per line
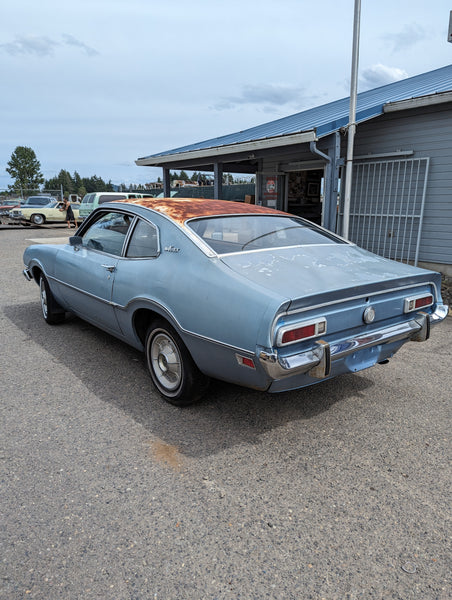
259 232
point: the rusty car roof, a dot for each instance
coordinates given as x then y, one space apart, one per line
182 209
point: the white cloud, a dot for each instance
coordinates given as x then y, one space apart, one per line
409 36
43 46
268 96
70 40
30 44
378 75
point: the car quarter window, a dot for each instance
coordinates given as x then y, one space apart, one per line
108 233
143 241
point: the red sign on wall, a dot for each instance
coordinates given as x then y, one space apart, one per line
270 192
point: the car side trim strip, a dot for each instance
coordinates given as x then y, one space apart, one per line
161 309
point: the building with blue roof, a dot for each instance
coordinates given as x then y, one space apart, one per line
402 175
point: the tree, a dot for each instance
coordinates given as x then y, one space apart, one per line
64 180
25 169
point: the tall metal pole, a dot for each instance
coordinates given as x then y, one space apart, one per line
351 119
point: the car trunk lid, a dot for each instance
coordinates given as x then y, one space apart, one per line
315 274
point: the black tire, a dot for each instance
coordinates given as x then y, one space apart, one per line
171 367
37 219
51 310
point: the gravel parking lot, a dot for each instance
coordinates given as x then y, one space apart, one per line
339 491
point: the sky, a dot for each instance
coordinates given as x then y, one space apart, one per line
93 85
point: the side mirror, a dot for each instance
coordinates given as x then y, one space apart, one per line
75 241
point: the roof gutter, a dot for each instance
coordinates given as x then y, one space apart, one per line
219 151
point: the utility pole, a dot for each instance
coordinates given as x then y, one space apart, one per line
351 119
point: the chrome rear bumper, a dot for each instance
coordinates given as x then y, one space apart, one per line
317 361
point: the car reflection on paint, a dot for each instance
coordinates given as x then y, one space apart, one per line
242 293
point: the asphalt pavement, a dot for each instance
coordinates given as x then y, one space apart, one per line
338 491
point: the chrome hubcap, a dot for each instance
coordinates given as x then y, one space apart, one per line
166 362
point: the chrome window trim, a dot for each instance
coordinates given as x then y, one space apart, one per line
133 224
241 252
132 228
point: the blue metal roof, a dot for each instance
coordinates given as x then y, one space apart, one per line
334 115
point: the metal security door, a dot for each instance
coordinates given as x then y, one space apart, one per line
387 207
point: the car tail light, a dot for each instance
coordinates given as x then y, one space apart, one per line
300 332
245 361
417 302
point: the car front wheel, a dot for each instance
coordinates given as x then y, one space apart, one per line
51 310
37 219
171 367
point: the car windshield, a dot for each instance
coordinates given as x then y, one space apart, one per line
39 200
259 232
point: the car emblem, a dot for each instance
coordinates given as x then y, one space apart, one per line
369 314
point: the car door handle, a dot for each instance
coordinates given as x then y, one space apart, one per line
110 268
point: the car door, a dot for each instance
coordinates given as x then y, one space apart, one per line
54 214
86 272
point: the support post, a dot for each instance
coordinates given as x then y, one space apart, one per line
218 181
351 120
166 183
332 183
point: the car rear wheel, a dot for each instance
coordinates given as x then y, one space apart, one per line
171 367
37 219
51 310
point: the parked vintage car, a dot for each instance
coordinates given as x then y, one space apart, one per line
7 205
242 293
38 215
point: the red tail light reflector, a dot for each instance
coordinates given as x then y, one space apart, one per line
417 302
245 361
297 333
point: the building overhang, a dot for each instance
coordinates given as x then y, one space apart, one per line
218 152
419 102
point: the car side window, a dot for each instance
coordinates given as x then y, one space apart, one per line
108 233
144 241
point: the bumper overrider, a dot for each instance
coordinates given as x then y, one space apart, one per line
317 362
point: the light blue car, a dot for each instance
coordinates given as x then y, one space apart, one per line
242 293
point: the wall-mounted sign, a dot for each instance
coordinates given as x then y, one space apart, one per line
270 195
